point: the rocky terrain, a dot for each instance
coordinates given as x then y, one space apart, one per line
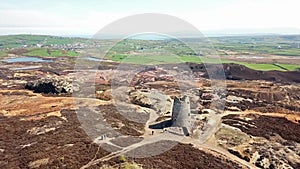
41 124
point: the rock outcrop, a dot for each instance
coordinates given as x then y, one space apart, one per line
151 75
152 99
51 86
104 95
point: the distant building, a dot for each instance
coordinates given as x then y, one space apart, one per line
39 45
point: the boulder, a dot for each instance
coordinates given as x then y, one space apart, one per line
104 95
233 108
236 99
207 96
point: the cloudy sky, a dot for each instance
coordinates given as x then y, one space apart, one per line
86 17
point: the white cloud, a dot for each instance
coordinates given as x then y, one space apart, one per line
247 14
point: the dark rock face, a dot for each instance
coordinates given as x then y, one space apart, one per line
239 72
50 86
41 87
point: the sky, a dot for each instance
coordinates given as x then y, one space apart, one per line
86 17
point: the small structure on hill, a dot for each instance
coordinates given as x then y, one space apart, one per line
181 114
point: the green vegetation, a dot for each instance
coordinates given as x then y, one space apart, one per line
62 159
122 158
268 66
28 42
49 52
173 51
290 67
285 45
131 165
263 67
153 59
164 51
17 41
139 59
124 164
128 165
3 53
234 137
157 59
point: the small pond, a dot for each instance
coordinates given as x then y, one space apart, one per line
93 59
26 59
249 57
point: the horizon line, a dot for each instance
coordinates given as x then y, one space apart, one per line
89 36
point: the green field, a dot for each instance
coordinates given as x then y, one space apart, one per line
16 41
284 45
263 67
50 53
3 53
290 66
154 52
152 60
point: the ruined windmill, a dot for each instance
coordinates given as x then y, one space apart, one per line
181 114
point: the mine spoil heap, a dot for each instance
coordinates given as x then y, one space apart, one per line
181 114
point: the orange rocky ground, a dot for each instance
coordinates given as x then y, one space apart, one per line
259 129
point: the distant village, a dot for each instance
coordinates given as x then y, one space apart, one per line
22 44
68 47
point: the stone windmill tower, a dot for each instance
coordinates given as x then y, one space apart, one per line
181 114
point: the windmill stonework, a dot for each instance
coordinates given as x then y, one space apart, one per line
181 114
